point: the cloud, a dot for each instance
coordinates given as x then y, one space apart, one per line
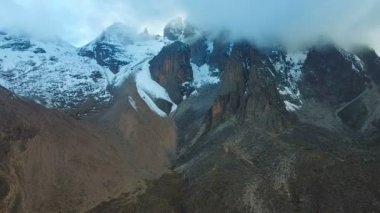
79 21
292 22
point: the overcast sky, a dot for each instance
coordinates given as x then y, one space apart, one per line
293 22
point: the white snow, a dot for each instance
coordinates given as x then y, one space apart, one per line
357 63
230 47
194 93
210 46
132 102
119 34
291 70
203 75
150 103
298 58
178 26
137 54
246 64
291 107
150 88
288 91
57 77
140 53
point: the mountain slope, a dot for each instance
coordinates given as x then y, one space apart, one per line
50 72
51 162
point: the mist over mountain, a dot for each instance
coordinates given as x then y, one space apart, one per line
293 23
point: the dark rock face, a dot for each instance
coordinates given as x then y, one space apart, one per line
4 188
248 91
164 105
372 61
105 55
361 113
16 44
342 85
172 70
198 49
39 50
221 51
109 48
355 114
323 68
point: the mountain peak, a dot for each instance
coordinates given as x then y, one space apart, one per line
179 29
118 33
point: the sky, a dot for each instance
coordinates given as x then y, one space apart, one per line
295 23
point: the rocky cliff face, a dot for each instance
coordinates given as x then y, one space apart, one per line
108 47
172 70
324 66
372 62
248 91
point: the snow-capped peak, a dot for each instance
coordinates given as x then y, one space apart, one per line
180 30
59 75
50 72
118 34
175 29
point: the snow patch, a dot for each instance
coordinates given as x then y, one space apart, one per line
288 91
229 49
291 107
289 67
149 90
194 93
298 59
119 34
204 75
357 64
137 54
210 46
132 102
150 103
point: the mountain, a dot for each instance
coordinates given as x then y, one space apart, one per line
272 135
255 153
211 124
50 72
51 162
109 48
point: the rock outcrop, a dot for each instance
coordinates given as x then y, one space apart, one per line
248 91
108 47
326 65
172 70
